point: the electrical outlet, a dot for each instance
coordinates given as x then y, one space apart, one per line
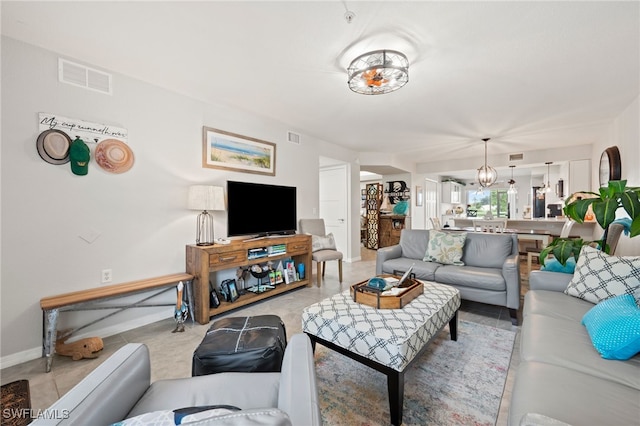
106 276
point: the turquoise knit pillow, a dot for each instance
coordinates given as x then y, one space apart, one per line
614 327
445 247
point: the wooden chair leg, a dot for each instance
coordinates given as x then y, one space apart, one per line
324 266
319 275
340 269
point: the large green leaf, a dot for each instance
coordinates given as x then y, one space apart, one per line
631 203
635 227
578 209
562 249
605 211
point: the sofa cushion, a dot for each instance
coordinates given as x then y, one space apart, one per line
570 396
555 304
414 243
599 276
445 247
471 276
614 327
486 250
422 270
565 343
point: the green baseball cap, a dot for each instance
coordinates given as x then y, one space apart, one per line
79 154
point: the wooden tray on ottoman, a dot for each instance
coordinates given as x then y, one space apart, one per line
361 293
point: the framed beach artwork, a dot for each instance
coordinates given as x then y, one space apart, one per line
230 151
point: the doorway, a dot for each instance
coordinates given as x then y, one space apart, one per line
334 203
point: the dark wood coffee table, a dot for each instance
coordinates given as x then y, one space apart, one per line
387 340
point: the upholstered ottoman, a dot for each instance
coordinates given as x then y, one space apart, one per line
241 344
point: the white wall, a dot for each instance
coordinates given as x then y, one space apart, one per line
141 215
625 134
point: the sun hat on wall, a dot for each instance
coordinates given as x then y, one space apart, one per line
114 156
79 154
53 146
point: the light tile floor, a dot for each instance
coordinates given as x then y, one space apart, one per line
171 353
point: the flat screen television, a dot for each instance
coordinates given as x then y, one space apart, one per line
260 209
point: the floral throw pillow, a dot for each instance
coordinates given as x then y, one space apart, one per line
599 276
326 242
445 247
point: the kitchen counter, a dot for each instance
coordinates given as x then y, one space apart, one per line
554 226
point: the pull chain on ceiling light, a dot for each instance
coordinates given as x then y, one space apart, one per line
512 183
378 72
487 175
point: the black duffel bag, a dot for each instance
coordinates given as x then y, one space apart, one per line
241 344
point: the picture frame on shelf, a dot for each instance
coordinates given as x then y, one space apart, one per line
231 151
233 291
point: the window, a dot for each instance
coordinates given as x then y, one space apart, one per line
494 200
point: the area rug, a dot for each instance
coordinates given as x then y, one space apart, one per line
16 404
452 383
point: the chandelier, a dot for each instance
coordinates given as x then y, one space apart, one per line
378 72
487 175
512 183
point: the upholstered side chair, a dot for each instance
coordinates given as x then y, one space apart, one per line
320 255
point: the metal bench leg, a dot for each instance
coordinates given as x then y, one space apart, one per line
189 290
50 327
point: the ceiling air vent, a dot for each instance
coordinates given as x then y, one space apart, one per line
516 157
293 137
82 76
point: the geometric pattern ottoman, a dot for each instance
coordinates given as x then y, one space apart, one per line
387 340
241 344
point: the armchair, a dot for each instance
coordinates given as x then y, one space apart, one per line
121 388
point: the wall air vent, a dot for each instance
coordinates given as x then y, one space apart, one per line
82 76
516 157
293 137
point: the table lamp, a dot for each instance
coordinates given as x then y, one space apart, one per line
205 198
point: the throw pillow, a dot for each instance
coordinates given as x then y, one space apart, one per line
445 247
599 276
614 327
326 242
178 416
553 265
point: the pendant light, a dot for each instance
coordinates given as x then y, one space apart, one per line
487 175
512 183
546 188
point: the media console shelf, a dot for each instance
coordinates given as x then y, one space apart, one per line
202 260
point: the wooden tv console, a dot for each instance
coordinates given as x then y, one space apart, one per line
202 260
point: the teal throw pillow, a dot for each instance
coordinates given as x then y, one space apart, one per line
553 265
614 327
445 247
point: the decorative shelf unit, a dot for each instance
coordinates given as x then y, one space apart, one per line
390 228
202 260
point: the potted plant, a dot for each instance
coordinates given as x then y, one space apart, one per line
603 206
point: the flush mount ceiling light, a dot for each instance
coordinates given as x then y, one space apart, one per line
378 72
512 183
487 175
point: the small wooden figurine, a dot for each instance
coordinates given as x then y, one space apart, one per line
83 348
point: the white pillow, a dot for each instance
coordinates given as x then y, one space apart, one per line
214 417
327 242
599 276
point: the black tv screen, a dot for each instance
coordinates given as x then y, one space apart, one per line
260 209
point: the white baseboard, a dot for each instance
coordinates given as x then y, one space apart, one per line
35 353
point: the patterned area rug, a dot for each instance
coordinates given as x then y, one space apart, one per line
452 383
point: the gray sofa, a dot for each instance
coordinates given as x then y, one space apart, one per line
491 271
561 377
120 388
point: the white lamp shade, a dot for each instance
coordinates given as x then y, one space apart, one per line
204 197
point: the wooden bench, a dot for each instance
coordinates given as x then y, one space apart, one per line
86 300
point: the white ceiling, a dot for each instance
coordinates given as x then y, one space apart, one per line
530 75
